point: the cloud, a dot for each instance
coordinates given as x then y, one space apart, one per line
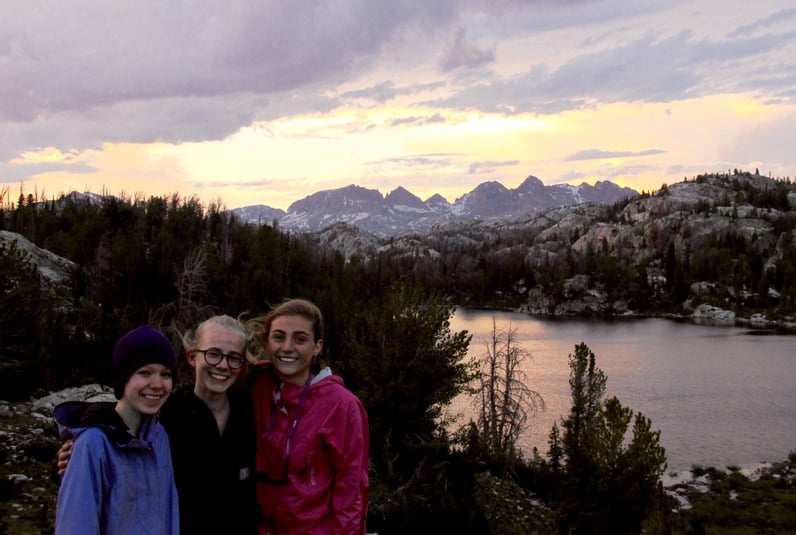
779 17
172 120
463 53
651 68
773 142
162 51
150 72
436 118
353 81
420 159
676 169
598 154
488 167
16 173
387 91
571 176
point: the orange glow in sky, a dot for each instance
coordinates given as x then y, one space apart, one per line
437 100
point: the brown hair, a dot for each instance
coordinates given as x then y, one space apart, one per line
295 307
260 326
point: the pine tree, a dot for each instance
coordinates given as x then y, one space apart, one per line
609 484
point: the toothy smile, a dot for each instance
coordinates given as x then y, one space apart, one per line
217 377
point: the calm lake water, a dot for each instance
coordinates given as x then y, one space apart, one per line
721 396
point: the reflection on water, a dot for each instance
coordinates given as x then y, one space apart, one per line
719 395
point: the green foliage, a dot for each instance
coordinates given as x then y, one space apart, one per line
739 505
607 484
167 261
405 364
21 309
509 509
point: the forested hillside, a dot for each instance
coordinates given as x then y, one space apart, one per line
725 240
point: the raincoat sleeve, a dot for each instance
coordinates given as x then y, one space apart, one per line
351 489
79 507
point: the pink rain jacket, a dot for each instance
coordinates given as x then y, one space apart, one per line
315 479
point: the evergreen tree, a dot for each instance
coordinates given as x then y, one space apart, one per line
609 484
404 363
401 359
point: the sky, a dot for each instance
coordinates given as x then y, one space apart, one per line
266 102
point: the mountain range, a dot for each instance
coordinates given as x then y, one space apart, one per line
401 212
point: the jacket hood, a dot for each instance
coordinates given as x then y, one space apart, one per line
323 374
74 416
323 377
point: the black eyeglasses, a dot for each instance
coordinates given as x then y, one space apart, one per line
213 357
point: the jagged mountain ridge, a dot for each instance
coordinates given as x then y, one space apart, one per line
401 212
696 218
749 215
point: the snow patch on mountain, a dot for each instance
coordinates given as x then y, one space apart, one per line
401 212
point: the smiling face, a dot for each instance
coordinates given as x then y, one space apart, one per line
212 380
145 393
292 347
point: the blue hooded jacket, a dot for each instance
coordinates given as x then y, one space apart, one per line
115 483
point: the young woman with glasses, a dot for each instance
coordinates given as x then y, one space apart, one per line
211 429
312 433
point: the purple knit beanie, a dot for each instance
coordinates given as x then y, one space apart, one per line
139 347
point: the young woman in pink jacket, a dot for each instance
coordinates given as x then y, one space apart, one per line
312 433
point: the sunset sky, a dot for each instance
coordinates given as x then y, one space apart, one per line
266 102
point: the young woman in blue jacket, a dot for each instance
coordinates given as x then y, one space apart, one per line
120 480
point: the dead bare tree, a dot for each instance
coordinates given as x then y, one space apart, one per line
187 310
505 402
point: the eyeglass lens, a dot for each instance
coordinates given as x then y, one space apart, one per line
214 356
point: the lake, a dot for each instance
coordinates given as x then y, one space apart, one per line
720 395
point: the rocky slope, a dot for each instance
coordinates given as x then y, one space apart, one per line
29 482
29 441
708 214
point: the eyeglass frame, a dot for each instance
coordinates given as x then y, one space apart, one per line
221 356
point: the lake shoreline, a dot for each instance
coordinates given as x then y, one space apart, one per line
721 394
720 317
